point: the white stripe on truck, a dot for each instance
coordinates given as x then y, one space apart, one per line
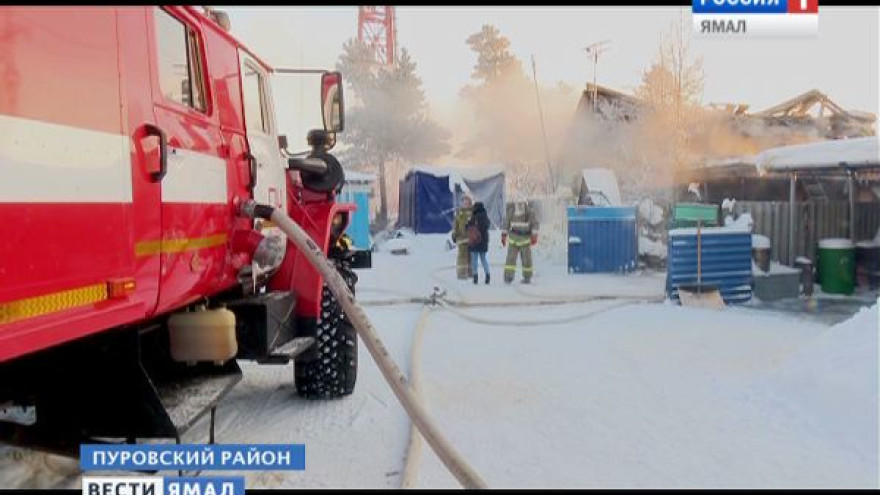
42 162
194 178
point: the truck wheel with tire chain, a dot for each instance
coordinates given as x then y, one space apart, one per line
333 372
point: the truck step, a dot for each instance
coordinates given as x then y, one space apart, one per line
289 351
188 399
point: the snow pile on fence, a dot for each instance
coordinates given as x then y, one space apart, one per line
649 247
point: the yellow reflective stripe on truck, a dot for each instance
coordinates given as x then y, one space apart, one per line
51 303
168 246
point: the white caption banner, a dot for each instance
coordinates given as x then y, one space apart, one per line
731 26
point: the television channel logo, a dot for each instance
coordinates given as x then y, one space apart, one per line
731 19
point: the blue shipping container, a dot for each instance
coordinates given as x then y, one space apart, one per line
602 239
359 223
726 262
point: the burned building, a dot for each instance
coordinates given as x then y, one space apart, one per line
608 104
812 113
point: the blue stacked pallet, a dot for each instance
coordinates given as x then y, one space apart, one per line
602 239
726 262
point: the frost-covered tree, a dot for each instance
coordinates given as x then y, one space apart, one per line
390 119
506 126
494 60
670 92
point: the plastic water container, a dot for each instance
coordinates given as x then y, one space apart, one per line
837 260
203 335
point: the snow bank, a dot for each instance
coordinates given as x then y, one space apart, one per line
834 381
644 396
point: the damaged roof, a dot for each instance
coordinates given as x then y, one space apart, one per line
811 110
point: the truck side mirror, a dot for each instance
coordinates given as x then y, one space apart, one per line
332 107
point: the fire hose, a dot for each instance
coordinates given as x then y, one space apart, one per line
537 299
414 447
463 472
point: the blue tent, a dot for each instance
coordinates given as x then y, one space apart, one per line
429 196
358 190
426 203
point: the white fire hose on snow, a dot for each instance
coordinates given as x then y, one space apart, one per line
414 447
408 399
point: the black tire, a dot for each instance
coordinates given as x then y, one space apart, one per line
333 372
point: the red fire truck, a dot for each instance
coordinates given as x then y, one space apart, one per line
129 285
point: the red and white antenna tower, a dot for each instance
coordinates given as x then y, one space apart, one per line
376 27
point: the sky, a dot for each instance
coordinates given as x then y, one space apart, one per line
842 61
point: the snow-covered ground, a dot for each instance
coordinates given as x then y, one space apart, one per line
591 394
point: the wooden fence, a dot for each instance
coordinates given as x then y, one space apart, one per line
814 221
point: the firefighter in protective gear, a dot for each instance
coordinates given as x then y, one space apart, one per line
519 234
460 238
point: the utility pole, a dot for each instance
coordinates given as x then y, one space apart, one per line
543 130
594 50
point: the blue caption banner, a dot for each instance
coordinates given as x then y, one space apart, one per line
265 457
740 6
204 485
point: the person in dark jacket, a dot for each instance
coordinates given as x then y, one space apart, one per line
478 236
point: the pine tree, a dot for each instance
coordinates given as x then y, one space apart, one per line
390 120
506 125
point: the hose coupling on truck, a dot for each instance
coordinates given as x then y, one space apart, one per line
252 209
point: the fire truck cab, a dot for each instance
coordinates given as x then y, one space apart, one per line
129 137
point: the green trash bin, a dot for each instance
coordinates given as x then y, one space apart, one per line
837 266
686 215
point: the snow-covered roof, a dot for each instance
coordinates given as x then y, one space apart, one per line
460 172
855 153
603 180
734 160
352 176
